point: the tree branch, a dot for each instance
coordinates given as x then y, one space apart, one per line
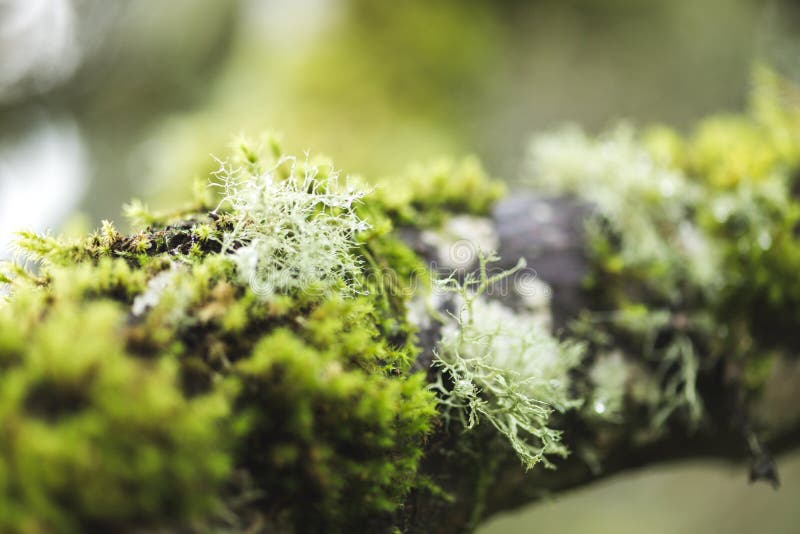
478 470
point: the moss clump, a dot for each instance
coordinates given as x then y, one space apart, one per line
92 437
146 382
425 194
325 436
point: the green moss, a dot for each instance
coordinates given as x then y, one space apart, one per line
748 167
92 437
144 378
324 435
425 193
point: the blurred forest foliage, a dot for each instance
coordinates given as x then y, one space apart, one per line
105 101
155 88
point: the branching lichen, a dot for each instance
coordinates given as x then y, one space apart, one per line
499 367
291 233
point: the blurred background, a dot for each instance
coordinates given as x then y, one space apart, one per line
102 101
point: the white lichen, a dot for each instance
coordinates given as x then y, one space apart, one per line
504 369
152 295
291 233
167 290
645 201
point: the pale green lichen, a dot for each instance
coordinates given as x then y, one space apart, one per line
641 233
646 204
497 366
291 233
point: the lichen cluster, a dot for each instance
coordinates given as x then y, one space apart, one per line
503 369
693 242
293 232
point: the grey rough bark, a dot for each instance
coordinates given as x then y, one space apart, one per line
481 473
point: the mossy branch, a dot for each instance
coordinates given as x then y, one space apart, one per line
287 362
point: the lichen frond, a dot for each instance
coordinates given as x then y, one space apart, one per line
503 369
293 233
